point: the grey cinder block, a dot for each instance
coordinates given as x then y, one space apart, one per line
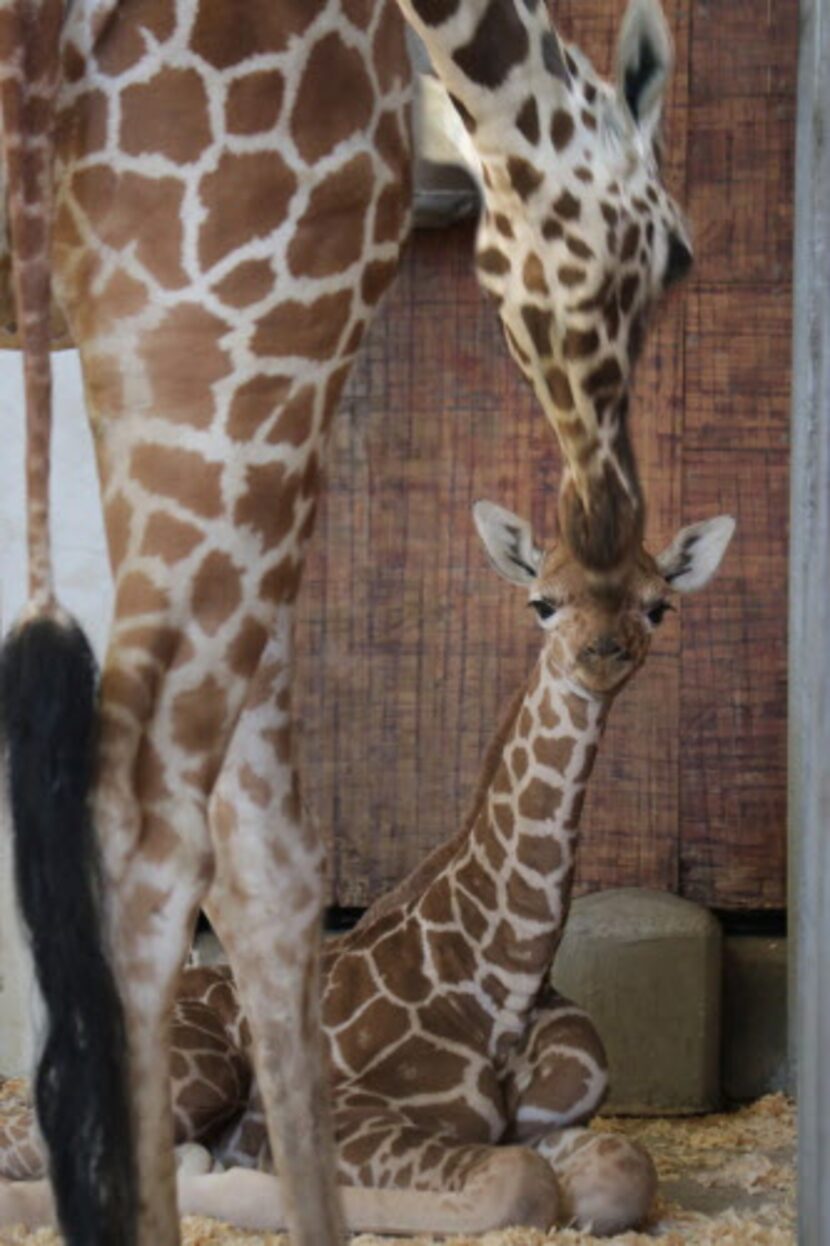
755 1060
647 967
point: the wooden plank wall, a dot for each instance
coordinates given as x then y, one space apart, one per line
409 645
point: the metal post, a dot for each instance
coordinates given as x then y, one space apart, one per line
809 665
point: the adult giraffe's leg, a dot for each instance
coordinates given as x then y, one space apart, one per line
556 1081
265 905
155 847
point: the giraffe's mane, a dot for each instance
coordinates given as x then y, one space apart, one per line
415 883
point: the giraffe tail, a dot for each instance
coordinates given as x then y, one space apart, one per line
48 718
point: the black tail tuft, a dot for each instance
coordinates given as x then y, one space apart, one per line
48 718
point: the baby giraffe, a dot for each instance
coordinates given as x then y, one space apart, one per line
461 1082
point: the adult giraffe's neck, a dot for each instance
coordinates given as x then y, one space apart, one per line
510 875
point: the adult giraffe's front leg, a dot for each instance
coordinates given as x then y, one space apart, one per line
265 904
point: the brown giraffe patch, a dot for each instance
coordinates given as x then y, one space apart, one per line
377 277
185 395
334 99
358 12
539 324
123 44
436 904
523 177
254 403
375 1027
389 53
82 129
318 248
628 291
533 275
552 229
527 120
577 247
267 505
166 116
399 959
198 717
553 60
124 211
477 882
579 343
296 419
472 920
607 376
554 752
249 282
498 43
502 224
254 103
392 146
150 774
561 128
434 12
254 786
508 951
541 853
169 538
221 39
118 515
417 1065
559 388
310 330
245 649
491 260
567 206
182 475
539 801
452 955
247 196
390 215
216 591
630 242
569 275
137 594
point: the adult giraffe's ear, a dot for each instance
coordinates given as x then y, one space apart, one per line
696 553
509 543
644 61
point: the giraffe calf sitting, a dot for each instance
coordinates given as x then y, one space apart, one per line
462 1083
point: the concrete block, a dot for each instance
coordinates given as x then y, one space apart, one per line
754 1055
647 968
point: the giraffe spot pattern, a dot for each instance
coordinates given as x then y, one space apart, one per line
185 395
523 177
254 103
527 121
310 330
562 128
247 196
166 116
499 42
334 98
317 248
183 476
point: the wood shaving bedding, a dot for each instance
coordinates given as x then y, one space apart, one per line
745 1159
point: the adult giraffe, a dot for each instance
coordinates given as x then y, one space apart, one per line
230 196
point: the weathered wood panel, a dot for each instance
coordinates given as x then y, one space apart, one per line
409 645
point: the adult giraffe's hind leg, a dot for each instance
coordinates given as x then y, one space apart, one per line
265 905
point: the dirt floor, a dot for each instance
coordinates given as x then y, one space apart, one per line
725 1180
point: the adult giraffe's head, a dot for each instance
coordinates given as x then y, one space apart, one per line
598 635
578 238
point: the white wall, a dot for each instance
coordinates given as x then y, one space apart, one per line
84 587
